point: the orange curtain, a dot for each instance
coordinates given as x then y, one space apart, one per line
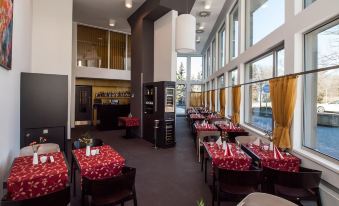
283 96
208 99
204 99
196 99
222 101
236 97
213 100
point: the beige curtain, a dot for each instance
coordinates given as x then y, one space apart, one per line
213 100
236 97
283 96
208 99
222 101
196 99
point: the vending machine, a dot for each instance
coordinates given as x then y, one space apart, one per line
159 113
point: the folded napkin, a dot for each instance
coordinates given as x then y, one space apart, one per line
227 148
219 142
277 154
257 142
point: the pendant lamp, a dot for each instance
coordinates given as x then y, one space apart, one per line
185 33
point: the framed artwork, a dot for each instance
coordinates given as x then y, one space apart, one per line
6 33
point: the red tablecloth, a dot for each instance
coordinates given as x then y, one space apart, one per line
239 161
29 181
108 163
196 117
212 117
289 163
207 127
129 121
226 128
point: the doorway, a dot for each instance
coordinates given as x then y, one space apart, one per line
83 105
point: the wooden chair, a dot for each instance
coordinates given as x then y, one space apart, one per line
294 186
111 191
59 198
233 135
203 157
234 185
43 149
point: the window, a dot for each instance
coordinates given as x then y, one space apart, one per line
321 113
221 84
196 88
181 99
258 109
222 47
232 80
196 68
209 63
234 32
259 11
308 2
213 56
181 68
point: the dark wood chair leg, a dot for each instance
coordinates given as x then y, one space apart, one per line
123 203
202 161
74 183
135 202
318 198
218 197
205 170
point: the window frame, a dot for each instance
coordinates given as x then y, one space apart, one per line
222 52
236 52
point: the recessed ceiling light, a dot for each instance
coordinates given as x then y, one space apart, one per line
112 22
204 13
128 3
198 39
199 31
207 4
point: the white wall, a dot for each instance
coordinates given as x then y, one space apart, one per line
52 40
10 85
165 57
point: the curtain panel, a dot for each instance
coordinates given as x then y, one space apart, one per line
236 98
208 99
196 99
283 96
213 100
222 101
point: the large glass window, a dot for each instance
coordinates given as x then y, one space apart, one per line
222 47
196 68
321 90
232 80
181 99
308 2
196 87
263 17
214 58
209 62
181 68
234 32
258 109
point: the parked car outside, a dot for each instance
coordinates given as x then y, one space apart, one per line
328 107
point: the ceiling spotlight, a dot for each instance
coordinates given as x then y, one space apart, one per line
199 31
198 39
112 22
204 13
128 3
207 4
201 26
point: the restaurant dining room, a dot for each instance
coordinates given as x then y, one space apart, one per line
162 103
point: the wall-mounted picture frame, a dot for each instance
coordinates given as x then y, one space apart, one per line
6 33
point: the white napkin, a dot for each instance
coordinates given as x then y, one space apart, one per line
271 146
228 151
224 146
276 153
257 142
219 142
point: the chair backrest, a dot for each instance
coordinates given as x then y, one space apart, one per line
252 177
210 138
125 181
59 198
43 149
305 178
263 199
245 140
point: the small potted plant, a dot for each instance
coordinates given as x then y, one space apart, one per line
35 147
201 203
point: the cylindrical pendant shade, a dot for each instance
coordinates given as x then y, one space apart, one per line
185 33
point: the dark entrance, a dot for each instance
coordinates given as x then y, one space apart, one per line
83 103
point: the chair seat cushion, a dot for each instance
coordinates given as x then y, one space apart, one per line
112 199
237 190
293 192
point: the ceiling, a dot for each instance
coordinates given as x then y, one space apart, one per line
98 13
206 22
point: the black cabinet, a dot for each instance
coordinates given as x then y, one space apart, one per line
43 108
159 104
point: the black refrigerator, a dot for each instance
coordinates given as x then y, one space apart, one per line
159 106
43 108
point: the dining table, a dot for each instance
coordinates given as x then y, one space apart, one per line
26 181
214 117
265 158
129 123
231 131
239 160
203 130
